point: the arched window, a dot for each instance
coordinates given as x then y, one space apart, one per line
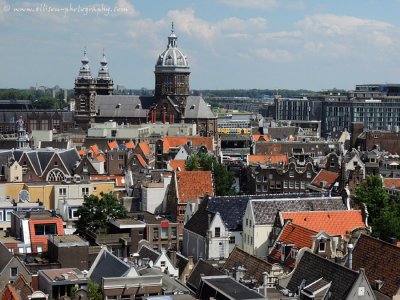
55 175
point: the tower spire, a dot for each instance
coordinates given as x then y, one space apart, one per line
84 71
103 71
172 37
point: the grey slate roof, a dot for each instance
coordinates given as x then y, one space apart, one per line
202 267
5 256
231 210
5 155
265 210
114 106
197 108
69 157
147 252
108 265
312 267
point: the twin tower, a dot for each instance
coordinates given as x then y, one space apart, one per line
171 81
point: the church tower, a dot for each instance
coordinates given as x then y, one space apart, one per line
171 81
104 83
85 92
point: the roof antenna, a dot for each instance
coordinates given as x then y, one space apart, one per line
172 27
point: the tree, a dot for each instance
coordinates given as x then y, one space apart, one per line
372 193
223 179
95 291
95 213
384 213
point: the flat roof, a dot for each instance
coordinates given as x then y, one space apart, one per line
231 288
68 240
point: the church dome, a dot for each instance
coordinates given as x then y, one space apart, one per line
172 56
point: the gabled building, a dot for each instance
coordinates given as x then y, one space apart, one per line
315 277
260 213
202 268
11 267
153 258
206 235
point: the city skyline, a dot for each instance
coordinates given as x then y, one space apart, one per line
266 44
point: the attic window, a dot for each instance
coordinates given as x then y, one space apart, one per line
294 253
193 106
321 247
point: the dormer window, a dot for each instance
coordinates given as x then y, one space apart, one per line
322 246
294 253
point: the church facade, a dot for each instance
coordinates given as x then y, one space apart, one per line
171 103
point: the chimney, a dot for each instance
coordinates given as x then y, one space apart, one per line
173 257
265 284
190 262
350 258
393 241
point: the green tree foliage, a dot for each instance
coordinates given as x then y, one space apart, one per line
384 213
223 179
95 212
95 291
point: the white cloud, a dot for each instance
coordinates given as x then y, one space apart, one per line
279 55
335 25
126 8
254 4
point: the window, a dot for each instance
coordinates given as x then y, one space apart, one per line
163 263
258 188
1 216
164 233
120 157
321 247
232 239
21 250
74 213
39 249
14 272
85 191
173 231
8 215
294 253
62 191
28 250
285 184
291 173
121 167
250 223
251 240
45 229
217 232
308 174
247 221
155 233
244 238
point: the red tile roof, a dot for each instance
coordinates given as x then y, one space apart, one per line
130 145
81 152
339 222
325 178
197 141
380 261
261 137
292 234
100 157
113 145
177 163
263 159
193 184
391 183
145 148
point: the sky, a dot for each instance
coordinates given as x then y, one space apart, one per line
239 44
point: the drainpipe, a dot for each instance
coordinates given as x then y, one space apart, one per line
350 259
265 284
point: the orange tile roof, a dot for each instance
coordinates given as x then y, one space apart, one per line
177 163
327 178
145 148
296 235
339 222
130 145
81 152
391 183
100 157
113 145
261 137
174 142
193 184
141 160
95 149
263 159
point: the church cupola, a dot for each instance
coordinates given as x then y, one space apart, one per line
172 73
84 71
104 82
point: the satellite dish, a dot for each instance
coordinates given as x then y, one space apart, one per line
23 196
